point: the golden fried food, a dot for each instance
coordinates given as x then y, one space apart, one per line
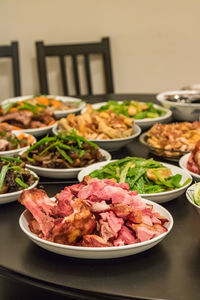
98 125
174 137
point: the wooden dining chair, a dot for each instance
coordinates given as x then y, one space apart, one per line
11 51
74 50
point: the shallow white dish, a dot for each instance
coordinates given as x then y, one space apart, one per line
37 131
10 197
157 197
111 144
98 252
62 173
181 111
16 151
183 164
190 197
58 113
143 123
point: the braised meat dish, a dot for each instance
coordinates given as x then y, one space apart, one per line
63 151
13 175
26 116
180 137
93 213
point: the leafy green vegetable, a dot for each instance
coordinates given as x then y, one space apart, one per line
197 193
142 110
133 170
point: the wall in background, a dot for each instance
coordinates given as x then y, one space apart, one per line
155 44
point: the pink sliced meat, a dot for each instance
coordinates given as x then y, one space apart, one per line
65 201
114 222
41 207
126 237
94 241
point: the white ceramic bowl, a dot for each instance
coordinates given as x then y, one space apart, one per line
190 197
181 111
62 173
143 123
157 197
58 113
97 252
111 144
37 132
17 151
183 164
10 197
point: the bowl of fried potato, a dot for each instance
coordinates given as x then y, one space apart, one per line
107 129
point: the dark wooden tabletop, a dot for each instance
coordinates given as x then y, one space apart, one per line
170 270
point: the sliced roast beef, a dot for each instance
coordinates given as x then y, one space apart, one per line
94 241
125 237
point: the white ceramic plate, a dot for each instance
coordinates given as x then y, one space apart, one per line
143 123
183 164
16 151
190 197
181 111
111 144
62 173
10 197
97 252
58 113
37 131
157 197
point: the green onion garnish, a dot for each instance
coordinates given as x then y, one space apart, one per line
21 183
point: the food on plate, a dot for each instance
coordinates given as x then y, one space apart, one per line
133 109
144 175
13 175
10 141
26 115
196 194
41 102
193 163
63 151
180 137
93 213
98 125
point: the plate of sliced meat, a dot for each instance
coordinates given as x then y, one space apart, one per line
95 219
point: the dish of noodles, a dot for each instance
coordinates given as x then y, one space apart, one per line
95 125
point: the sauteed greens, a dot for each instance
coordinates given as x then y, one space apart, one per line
144 175
132 108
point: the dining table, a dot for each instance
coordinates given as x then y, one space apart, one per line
169 270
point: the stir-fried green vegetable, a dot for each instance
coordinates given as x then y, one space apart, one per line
135 109
145 175
63 151
197 193
13 176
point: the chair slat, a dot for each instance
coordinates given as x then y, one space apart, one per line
63 75
76 75
88 74
11 51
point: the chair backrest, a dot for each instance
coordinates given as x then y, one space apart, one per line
74 50
11 51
